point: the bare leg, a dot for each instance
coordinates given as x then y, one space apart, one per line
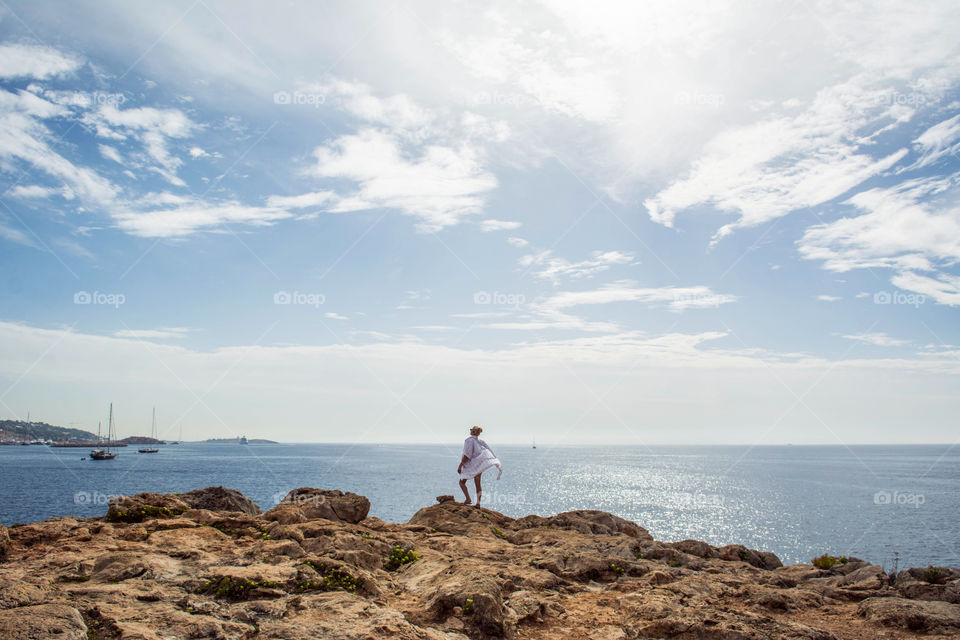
463 485
476 481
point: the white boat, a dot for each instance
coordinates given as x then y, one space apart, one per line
153 434
104 454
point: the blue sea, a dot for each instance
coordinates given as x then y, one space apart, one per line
798 501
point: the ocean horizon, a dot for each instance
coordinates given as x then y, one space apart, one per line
889 504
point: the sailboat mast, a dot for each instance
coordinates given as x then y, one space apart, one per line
153 425
110 428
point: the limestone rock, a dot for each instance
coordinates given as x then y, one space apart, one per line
915 615
220 499
43 621
145 506
305 504
4 543
207 565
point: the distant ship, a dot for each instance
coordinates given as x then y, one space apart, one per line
104 454
243 440
153 434
534 443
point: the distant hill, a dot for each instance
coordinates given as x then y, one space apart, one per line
141 440
236 440
20 430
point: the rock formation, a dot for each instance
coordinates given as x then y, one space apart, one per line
209 564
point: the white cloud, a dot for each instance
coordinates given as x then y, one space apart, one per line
335 316
110 153
152 334
676 298
398 112
32 191
499 225
188 215
24 137
901 228
878 339
545 265
197 152
940 140
827 298
301 201
30 61
768 169
152 127
440 186
515 241
943 288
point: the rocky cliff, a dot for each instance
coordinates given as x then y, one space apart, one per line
210 564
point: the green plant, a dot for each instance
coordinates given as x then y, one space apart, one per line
617 569
639 555
333 579
468 606
499 534
826 561
139 515
935 575
399 557
674 561
232 588
74 577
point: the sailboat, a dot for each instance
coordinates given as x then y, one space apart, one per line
534 443
104 454
153 434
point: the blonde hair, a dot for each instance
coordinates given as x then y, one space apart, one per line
479 430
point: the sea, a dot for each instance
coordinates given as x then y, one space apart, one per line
896 506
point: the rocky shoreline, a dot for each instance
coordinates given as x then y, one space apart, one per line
210 564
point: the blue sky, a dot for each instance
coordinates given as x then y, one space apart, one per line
676 222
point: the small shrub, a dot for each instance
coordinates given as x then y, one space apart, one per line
468 606
399 557
617 569
333 579
499 534
934 575
232 589
826 561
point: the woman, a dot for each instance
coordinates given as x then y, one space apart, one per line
477 458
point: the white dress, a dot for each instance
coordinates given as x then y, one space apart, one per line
480 457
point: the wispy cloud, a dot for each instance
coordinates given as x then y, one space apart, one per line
878 339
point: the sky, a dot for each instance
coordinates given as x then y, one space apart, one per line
585 223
